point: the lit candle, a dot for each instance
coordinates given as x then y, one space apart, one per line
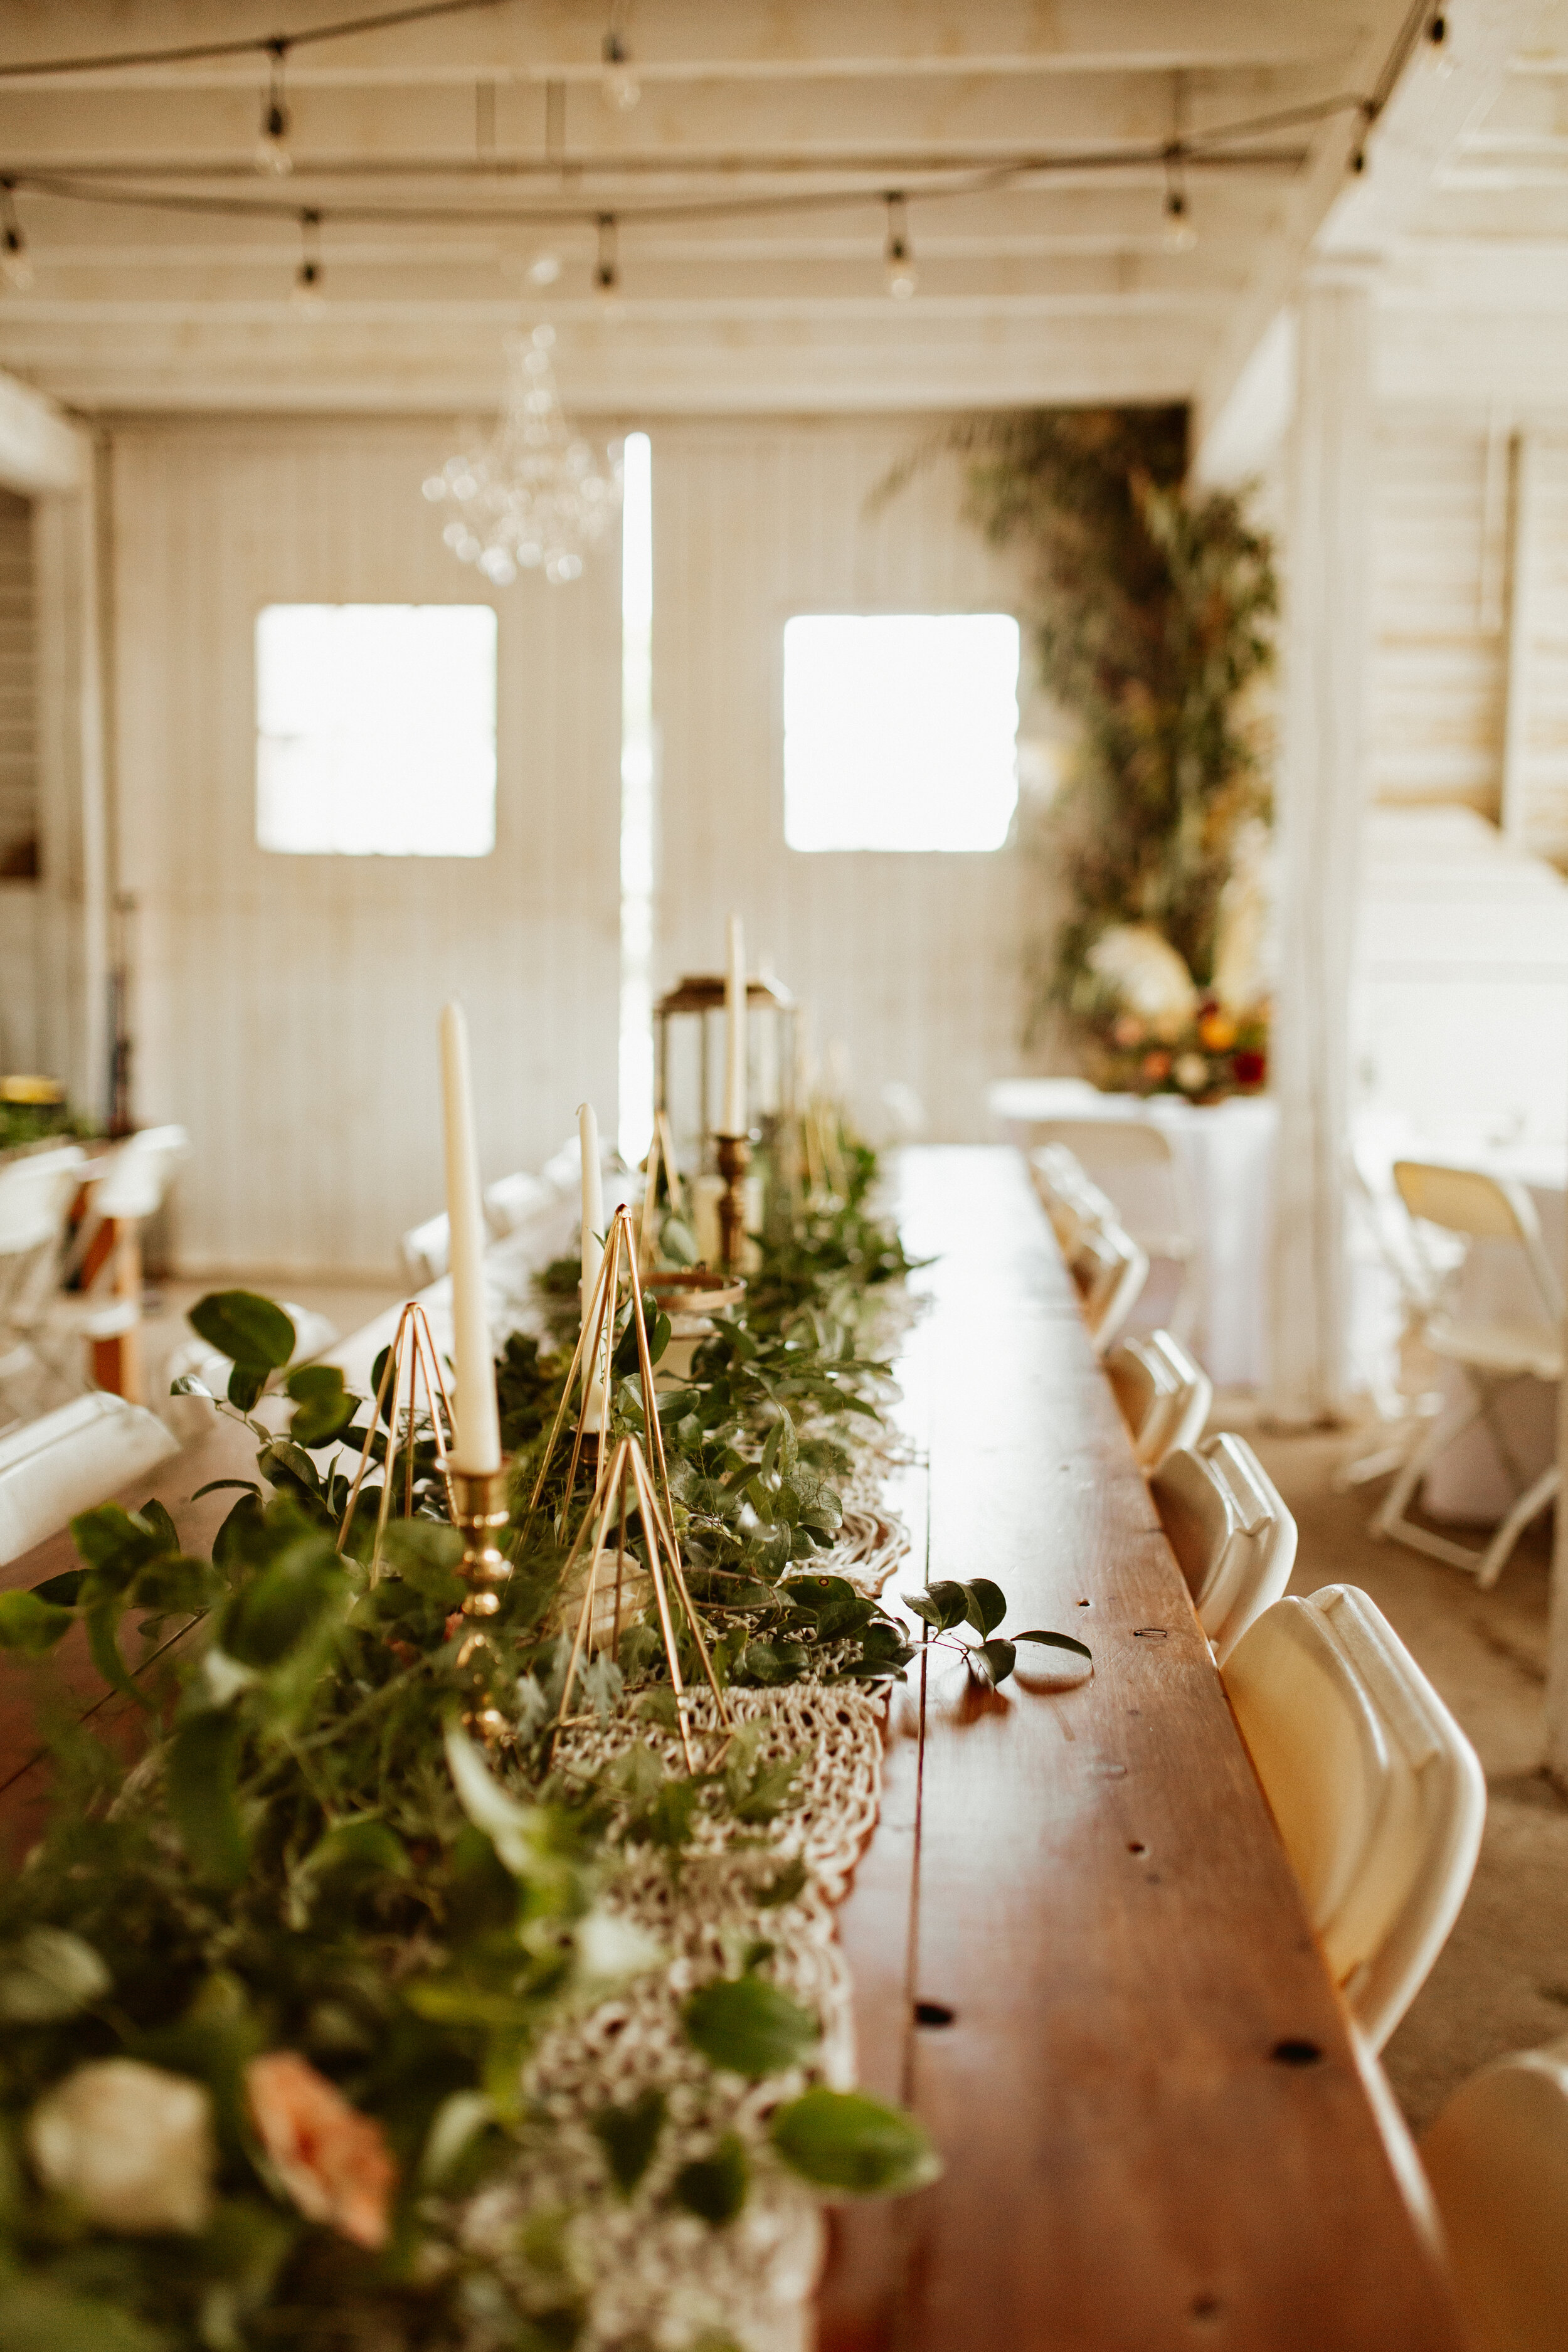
476 1426
736 1032
593 1244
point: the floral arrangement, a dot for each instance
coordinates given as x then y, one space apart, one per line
1150 1030
286 2006
1152 606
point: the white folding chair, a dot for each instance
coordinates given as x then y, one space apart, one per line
137 1173
514 1201
1497 2159
69 1460
1491 1351
1234 1540
1110 1270
1164 1392
1134 1160
1069 1199
36 1194
1375 1791
426 1250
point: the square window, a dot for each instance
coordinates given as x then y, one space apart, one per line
901 730
375 730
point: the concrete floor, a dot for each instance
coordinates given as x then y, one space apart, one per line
1501 1982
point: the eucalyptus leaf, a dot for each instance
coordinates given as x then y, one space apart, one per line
628 2136
31 1625
992 1661
842 2140
943 1605
201 1776
714 2186
749 2026
1058 1642
986 1604
245 1327
49 1975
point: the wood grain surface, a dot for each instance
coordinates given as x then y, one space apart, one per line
1152 2117
1150 2113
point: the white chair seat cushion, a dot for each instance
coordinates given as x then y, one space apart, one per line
70 1460
1497 1347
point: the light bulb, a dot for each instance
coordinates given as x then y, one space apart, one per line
309 294
1439 44
272 149
902 279
1179 235
16 261
544 269
620 88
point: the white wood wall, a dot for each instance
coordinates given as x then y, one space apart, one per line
913 960
1471 603
285 1008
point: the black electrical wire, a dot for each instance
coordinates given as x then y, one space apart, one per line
258 45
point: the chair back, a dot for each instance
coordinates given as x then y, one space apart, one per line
1164 1392
1375 1791
1136 1162
139 1172
512 1201
1234 1540
428 1250
35 1194
1110 1270
70 1460
1074 1205
1482 1208
1496 2159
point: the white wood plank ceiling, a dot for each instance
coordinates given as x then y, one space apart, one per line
1026 141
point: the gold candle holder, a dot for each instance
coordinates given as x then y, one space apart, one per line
734 1158
479 1508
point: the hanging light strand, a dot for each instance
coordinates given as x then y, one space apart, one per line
1179 235
608 262
273 146
898 257
16 261
620 88
310 289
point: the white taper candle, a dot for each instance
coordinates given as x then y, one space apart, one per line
593 1239
736 1032
476 1439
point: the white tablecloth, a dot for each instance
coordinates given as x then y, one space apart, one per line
1226 1150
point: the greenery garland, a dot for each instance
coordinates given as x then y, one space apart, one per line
269 2003
1151 606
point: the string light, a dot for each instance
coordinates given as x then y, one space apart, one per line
272 147
1179 235
16 261
1440 47
543 269
310 293
900 267
607 266
620 88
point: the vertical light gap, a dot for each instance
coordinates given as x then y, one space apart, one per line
636 1124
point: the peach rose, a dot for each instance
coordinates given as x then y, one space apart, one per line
334 2161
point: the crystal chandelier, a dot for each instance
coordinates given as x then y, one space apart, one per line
537 495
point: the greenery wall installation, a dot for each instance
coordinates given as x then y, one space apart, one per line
1149 604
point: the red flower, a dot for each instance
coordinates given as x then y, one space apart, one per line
1249 1067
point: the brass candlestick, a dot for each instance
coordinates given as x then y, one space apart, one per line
478 1506
734 1158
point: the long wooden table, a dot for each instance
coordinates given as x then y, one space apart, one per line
1153 2123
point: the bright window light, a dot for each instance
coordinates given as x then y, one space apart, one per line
901 730
375 730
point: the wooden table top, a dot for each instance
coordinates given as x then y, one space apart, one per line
1153 2124
1154 2129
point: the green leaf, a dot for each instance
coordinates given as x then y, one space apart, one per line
1058 1642
246 1328
986 1604
283 1604
714 2186
362 1847
783 1887
843 2141
628 2136
101 1618
37 2316
114 1541
30 1624
153 1516
749 2026
170 1588
424 1554
943 1605
62 1591
216 1486
202 1779
245 1383
49 1975
992 1661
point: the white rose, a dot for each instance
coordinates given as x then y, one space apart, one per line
1145 971
132 2146
1190 1073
